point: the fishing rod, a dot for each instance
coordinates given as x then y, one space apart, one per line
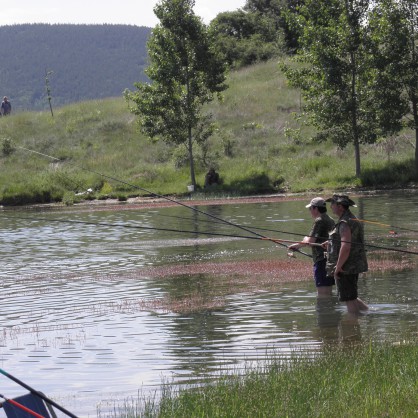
259 228
159 196
310 244
22 407
37 393
386 225
297 234
217 234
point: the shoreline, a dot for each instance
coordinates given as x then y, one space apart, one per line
144 202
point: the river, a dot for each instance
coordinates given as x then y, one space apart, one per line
82 317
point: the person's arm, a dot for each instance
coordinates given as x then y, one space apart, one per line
305 241
345 233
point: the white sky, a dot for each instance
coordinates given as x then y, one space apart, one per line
131 12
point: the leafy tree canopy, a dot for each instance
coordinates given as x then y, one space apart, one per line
186 73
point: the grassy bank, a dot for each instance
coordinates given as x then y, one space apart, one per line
256 149
372 380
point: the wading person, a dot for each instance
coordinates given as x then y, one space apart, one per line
321 228
346 253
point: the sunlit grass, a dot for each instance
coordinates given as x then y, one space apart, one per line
371 380
256 148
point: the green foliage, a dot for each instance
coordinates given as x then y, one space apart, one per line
249 161
250 182
380 172
356 57
257 33
106 189
7 147
186 74
368 380
69 198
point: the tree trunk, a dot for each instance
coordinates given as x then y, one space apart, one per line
191 160
354 120
415 116
416 152
357 157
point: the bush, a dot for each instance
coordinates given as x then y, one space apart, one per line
8 147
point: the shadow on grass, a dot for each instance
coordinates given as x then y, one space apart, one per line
391 173
251 185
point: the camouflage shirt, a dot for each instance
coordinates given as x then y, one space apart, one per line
357 261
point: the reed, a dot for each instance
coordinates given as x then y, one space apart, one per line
372 380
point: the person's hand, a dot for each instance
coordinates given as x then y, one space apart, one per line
324 245
337 272
294 247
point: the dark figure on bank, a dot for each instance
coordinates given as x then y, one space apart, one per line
212 177
6 106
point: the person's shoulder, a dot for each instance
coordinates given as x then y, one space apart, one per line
325 217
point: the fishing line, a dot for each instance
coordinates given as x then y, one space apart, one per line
385 225
276 231
160 196
280 231
218 234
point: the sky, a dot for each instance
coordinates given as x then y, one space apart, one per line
128 12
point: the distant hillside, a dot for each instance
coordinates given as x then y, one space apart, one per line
88 62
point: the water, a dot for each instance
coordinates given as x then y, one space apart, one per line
81 314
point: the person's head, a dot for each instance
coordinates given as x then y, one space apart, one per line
5 98
340 203
317 206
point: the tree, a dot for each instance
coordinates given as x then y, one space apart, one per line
275 12
257 32
334 77
186 74
245 38
393 50
410 9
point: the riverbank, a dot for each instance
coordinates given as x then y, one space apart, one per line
93 150
351 380
200 199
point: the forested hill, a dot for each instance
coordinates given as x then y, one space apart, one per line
86 61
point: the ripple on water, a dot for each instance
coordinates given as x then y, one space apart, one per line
78 318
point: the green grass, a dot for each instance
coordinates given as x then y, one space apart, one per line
256 148
372 380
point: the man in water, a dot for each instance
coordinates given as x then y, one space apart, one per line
346 253
321 228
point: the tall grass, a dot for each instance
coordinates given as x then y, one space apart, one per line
372 380
257 148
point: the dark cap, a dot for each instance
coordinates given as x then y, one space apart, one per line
317 202
341 199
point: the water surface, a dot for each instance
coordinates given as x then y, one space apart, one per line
77 320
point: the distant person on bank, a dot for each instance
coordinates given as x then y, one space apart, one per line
346 253
319 233
6 106
212 177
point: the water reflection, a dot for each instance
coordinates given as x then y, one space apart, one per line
78 300
334 324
